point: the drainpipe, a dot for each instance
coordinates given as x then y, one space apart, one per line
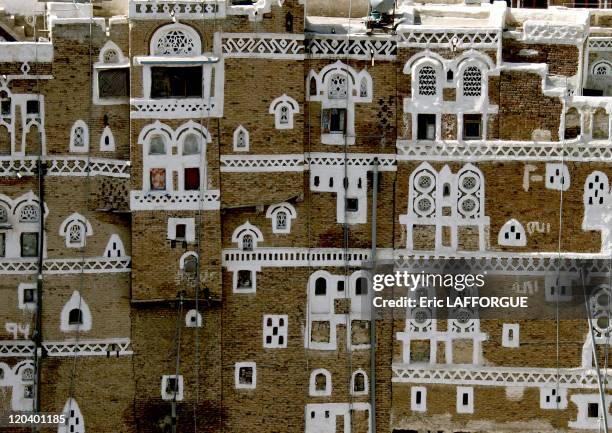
373 314
37 334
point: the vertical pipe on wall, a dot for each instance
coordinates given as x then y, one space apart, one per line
373 313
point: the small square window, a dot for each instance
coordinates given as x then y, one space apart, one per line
28 391
113 83
29 244
192 179
158 179
593 410
426 127
333 121
472 126
32 107
361 286
245 375
352 204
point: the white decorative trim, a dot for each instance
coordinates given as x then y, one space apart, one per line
107 135
263 45
261 163
583 420
82 225
570 378
65 166
275 331
114 248
462 38
366 384
79 133
386 162
322 417
512 234
106 63
416 406
600 43
76 302
474 150
185 9
184 41
193 319
252 275
172 395
30 305
91 265
289 214
553 398
557 177
355 47
241 134
284 107
177 200
295 257
184 257
247 229
312 388
510 335
183 108
465 393
109 347
16 349
189 229
75 423
561 33
237 368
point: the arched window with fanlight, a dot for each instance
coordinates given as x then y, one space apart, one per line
75 228
79 137
75 315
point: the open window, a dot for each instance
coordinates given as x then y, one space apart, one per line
29 244
426 126
176 82
245 375
333 121
472 126
172 388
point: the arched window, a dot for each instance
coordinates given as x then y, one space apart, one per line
427 81
312 86
320 286
602 68
76 234
247 243
320 382
107 140
75 228
361 286
338 86
74 420
79 137
29 214
175 42
363 88
284 107
241 139
191 145
157 145
359 383
3 215
472 81
193 319
284 115
189 263
75 315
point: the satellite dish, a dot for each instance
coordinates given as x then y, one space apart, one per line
382 6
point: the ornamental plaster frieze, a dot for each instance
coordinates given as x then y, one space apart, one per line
92 265
65 166
109 347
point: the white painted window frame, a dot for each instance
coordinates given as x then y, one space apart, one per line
75 301
246 364
171 396
312 388
282 330
422 407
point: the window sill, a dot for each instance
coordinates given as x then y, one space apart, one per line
176 60
337 139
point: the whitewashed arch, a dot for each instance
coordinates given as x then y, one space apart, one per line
284 107
114 247
107 140
512 234
75 423
241 139
79 137
247 229
75 228
110 53
76 302
423 56
150 130
275 213
175 40
313 384
185 256
193 319
601 68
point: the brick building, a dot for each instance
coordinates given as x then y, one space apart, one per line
187 197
